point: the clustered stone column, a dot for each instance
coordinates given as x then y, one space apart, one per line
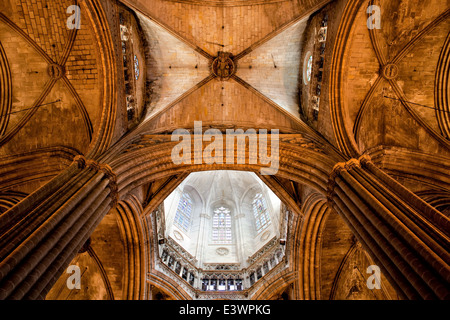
407 237
43 233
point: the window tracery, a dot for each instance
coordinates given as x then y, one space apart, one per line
221 226
184 212
136 67
260 212
309 68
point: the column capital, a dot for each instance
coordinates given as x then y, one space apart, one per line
104 168
205 215
345 166
108 171
111 175
365 159
93 164
80 160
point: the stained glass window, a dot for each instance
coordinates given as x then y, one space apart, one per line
184 212
221 225
309 68
136 67
262 218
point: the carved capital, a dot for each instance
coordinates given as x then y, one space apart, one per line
338 168
108 171
93 164
80 160
365 159
352 163
205 215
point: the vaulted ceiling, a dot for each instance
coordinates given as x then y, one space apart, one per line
265 49
67 79
410 43
56 90
55 78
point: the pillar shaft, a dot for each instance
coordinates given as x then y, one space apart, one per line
41 234
404 234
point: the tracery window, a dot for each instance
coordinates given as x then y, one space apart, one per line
136 67
260 212
309 68
221 226
184 212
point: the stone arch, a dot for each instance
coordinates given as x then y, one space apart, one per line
308 236
299 162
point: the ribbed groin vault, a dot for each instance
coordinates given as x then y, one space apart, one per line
353 102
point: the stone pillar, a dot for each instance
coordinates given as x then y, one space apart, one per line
239 234
43 233
406 237
134 240
202 240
